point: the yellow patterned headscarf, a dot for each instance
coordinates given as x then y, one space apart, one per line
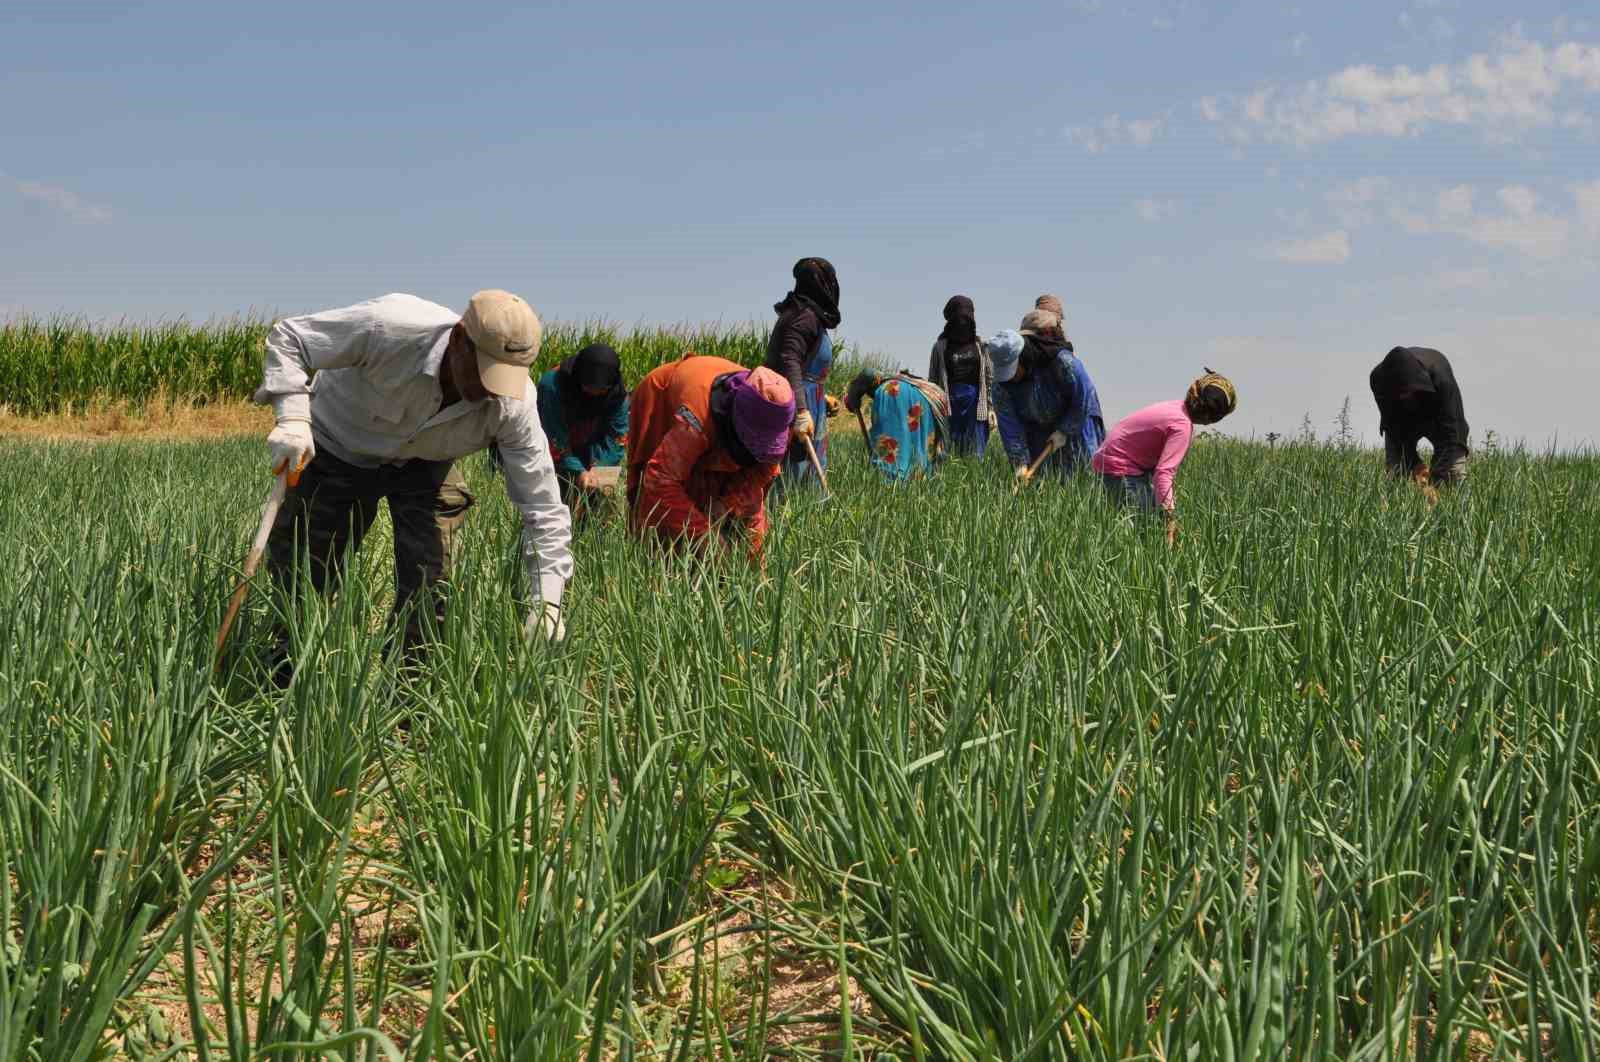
1213 381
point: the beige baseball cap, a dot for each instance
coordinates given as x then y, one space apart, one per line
505 331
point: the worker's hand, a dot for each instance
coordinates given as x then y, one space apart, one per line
292 448
1024 474
588 480
833 405
1172 527
803 424
994 421
1058 439
545 619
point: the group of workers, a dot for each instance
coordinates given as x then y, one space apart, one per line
377 401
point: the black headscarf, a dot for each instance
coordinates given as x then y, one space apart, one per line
596 365
960 323
816 287
1041 350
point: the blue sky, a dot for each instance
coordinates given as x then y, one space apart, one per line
1279 191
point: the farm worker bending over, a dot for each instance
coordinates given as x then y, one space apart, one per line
1044 397
402 388
705 437
1141 456
960 366
800 351
1418 399
907 414
583 406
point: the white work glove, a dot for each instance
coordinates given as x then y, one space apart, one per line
545 619
292 447
803 424
1058 440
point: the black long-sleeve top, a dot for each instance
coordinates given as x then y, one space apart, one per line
793 340
1417 399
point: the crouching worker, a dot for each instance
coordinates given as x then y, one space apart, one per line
583 406
1044 397
908 414
1140 458
705 436
1417 399
402 389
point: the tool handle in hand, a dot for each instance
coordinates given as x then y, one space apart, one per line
811 455
1049 448
252 560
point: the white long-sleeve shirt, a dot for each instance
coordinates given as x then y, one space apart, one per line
375 399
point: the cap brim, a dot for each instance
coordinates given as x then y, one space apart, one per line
507 381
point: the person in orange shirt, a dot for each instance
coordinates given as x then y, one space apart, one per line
705 437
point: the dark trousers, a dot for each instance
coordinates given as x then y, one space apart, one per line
332 508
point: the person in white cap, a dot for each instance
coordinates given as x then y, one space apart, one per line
403 387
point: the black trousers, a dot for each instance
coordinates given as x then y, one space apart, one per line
327 515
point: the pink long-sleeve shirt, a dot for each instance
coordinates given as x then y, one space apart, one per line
1151 440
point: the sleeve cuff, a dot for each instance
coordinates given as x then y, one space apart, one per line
292 407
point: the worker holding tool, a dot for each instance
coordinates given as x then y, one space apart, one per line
1140 458
910 422
705 436
402 388
801 351
1048 408
1417 398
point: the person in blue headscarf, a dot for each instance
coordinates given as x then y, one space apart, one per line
1044 398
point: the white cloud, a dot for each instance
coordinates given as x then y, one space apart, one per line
1519 87
1153 210
1477 279
1519 224
1588 203
1330 248
1113 131
63 201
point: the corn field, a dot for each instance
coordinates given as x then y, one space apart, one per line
962 775
65 364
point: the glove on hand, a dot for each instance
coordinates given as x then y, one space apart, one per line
1024 473
292 448
994 421
545 619
1058 439
803 424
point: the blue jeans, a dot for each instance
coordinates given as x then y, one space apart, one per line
1133 491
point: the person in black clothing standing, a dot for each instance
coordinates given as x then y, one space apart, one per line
960 365
804 316
1418 399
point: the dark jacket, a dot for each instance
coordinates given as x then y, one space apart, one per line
794 338
1417 399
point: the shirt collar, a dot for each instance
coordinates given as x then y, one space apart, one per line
435 359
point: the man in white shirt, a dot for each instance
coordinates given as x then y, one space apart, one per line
402 388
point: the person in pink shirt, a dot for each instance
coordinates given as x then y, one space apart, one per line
1140 457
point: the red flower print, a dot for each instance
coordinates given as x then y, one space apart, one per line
914 419
888 449
892 388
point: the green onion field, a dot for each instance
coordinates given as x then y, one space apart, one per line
962 775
